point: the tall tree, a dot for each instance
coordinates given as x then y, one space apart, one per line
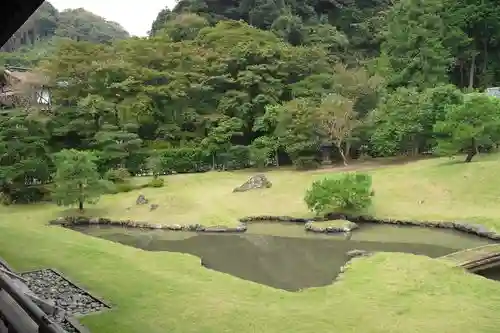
76 180
337 119
414 53
470 126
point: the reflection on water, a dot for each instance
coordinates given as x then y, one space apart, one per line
284 255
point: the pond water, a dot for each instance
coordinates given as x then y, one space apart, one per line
491 273
284 255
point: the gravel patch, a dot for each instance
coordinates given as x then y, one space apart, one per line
49 285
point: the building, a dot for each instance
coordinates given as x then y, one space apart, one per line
20 87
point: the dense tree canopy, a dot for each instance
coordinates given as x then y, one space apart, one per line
221 85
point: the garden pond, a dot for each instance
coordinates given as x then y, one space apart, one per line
284 255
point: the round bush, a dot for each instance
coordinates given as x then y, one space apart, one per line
120 175
350 191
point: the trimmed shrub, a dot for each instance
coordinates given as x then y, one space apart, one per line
306 163
120 175
185 160
156 182
351 191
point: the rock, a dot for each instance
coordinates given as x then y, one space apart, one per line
331 226
59 221
153 207
59 294
94 220
255 182
357 253
141 200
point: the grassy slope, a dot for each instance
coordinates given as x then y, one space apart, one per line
437 189
159 292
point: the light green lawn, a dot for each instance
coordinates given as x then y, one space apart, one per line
436 189
166 292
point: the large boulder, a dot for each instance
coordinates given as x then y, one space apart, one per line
255 182
141 200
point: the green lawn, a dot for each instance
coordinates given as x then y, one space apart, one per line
166 292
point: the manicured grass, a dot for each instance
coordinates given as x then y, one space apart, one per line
434 189
160 292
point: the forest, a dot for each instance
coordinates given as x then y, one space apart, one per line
264 83
39 35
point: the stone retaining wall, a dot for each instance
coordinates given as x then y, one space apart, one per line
76 221
474 229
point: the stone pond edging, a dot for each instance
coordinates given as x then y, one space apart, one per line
474 229
70 221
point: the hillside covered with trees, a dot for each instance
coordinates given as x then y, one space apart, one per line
39 35
221 85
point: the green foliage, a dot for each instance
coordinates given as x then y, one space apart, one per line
260 151
237 157
298 132
120 175
226 86
350 191
25 158
414 47
122 187
469 126
156 183
82 25
154 165
404 121
48 27
184 160
307 162
184 26
76 180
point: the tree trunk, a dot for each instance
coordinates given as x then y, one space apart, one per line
341 151
472 151
472 72
348 150
276 156
485 56
213 161
80 200
462 77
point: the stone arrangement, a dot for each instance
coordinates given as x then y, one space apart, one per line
354 222
474 229
334 227
141 200
50 285
256 182
76 221
358 253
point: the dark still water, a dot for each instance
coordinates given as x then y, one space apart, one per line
284 255
491 273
